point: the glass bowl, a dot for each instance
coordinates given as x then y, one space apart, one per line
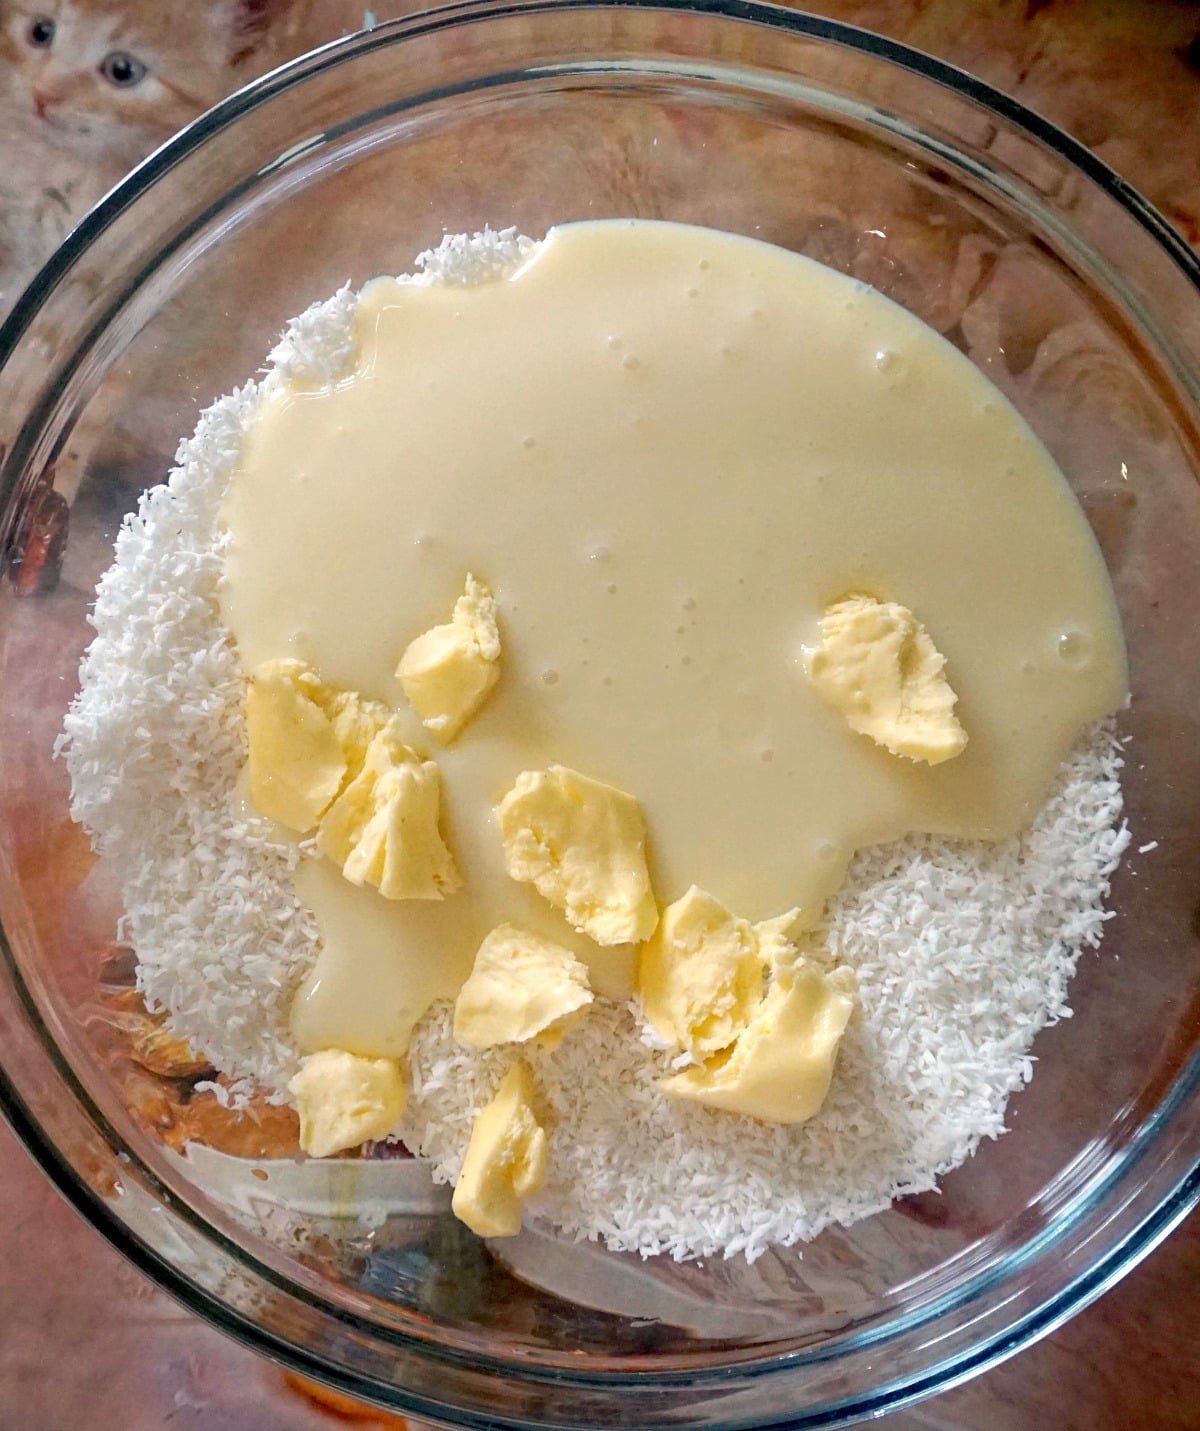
1049 272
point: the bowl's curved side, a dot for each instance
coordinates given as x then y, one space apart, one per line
770 122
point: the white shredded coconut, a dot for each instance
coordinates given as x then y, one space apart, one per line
962 951
464 259
318 346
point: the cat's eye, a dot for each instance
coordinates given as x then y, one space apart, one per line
122 70
41 31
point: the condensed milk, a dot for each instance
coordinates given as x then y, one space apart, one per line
666 450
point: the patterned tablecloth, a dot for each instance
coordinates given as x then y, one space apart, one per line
84 1338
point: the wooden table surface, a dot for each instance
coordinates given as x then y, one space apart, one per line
85 1340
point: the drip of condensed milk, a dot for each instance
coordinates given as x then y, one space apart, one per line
666 450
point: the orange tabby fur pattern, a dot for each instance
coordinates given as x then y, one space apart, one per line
88 88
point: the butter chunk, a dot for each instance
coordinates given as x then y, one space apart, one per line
296 760
781 1066
356 722
582 845
305 741
877 665
521 987
383 829
448 672
505 1162
701 977
344 1100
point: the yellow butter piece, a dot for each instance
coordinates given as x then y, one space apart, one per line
296 760
383 829
701 977
506 1159
356 722
305 740
877 665
344 1100
521 987
582 845
448 672
780 1067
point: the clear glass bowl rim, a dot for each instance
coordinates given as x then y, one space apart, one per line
1085 1284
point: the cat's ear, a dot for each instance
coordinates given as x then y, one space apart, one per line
252 22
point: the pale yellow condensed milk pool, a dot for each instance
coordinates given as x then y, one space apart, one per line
667 451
